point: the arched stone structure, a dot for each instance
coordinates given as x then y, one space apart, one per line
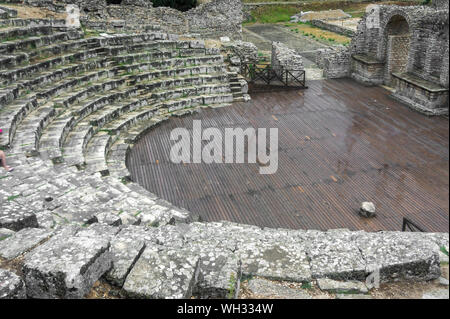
406 48
396 44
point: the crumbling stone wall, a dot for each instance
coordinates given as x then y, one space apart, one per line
284 58
212 19
423 44
217 18
407 48
440 4
335 62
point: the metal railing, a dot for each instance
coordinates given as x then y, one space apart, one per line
254 73
408 225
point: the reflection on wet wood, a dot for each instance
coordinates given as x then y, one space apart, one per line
339 144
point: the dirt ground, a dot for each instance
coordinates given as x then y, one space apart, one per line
395 290
26 12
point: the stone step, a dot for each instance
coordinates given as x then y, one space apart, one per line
66 266
31 43
165 274
15 217
17 22
11 116
75 144
8 12
28 72
177 72
95 157
14 33
55 134
124 50
26 139
71 46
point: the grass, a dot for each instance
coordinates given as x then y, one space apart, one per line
273 14
316 33
282 13
232 287
306 285
444 251
10 198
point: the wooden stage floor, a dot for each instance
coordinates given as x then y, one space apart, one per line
340 144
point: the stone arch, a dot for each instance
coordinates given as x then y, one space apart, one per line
396 43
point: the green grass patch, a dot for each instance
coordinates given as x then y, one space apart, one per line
273 14
4 237
306 285
232 287
444 250
13 197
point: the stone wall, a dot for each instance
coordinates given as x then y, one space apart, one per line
213 19
249 7
398 47
284 58
335 62
440 4
410 42
428 38
333 28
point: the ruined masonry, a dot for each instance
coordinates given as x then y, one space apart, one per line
71 108
405 48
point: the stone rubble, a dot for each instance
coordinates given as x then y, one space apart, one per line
367 210
347 287
11 286
266 288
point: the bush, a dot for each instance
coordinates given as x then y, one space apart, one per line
182 5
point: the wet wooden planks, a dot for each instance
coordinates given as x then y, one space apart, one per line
340 143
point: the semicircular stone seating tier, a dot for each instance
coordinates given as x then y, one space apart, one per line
70 108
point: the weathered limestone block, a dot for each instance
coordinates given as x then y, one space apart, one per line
220 273
352 287
11 286
5 233
109 219
197 44
275 260
335 255
22 241
399 255
73 16
16 217
66 267
125 251
266 288
98 230
165 274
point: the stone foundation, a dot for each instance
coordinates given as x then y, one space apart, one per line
420 95
367 70
335 62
